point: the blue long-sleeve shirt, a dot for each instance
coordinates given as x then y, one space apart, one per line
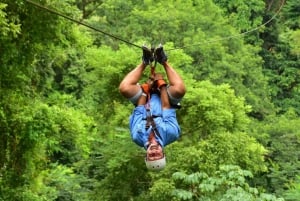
165 120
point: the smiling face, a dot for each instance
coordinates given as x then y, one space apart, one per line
154 152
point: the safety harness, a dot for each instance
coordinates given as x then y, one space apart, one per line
157 164
150 120
149 116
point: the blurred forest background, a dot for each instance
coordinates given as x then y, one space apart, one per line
64 132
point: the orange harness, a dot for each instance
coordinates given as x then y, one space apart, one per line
150 118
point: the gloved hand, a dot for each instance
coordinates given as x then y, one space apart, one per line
159 81
146 88
160 55
147 55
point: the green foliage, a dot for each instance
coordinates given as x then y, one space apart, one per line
124 174
229 183
57 183
281 62
64 125
61 182
290 14
283 143
41 134
293 193
294 42
7 26
160 190
244 14
211 108
217 149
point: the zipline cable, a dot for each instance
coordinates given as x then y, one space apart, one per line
182 47
237 35
81 23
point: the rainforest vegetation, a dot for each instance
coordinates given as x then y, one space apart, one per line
64 127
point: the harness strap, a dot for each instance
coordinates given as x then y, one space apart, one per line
150 120
149 117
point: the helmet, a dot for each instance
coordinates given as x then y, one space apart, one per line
157 164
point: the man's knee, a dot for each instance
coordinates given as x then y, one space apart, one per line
180 91
177 91
123 88
130 91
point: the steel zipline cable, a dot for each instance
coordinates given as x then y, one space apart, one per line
236 35
81 23
130 43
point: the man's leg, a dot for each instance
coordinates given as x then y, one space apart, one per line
171 130
128 87
176 85
165 103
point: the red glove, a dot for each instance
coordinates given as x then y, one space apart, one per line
160 83
159 80
146 88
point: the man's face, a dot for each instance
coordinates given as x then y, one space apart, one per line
154 152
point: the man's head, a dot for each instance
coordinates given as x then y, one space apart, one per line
155 158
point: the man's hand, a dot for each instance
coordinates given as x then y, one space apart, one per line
146 88
159 81
160 55
147 55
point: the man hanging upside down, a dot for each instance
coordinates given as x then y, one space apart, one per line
153 123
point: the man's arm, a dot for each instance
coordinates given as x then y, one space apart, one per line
128 86
176 85
165 103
